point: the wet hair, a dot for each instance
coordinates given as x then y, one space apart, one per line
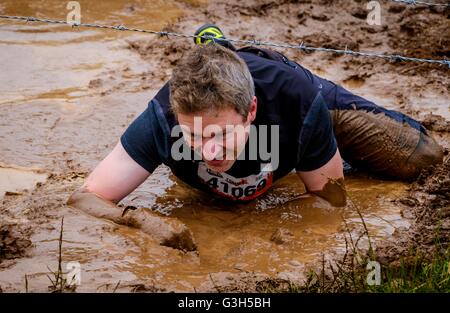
210 78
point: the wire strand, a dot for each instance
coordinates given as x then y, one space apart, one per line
301 46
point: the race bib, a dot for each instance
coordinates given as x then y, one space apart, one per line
244 188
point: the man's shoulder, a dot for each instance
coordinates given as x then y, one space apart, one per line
162 97
282 77
159 109
260 65
263 65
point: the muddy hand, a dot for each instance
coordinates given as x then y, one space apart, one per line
168 231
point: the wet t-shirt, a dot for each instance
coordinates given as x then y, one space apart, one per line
288 96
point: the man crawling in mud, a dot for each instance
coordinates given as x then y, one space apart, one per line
221 105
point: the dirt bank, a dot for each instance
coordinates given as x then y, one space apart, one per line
428 207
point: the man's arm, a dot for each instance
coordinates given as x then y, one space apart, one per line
327 181
116 176
112 180
320 167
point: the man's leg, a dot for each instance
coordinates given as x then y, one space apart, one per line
381 141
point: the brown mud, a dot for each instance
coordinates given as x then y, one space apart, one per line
428 202
67 95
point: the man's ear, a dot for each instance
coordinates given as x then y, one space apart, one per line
252 110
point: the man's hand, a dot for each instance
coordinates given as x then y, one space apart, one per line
327 181
113 179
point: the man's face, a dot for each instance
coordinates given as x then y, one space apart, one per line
219 136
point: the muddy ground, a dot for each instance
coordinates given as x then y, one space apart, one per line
67 95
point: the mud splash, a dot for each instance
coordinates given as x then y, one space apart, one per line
64 108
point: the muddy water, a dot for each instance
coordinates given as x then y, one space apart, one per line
13 180
66 96
231 240
44 61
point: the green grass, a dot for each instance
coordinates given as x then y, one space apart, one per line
417 277
414 273
408 277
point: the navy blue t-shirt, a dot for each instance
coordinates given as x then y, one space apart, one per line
288 95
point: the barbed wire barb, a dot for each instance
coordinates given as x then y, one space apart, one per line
417 2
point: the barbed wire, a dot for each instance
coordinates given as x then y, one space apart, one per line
301 46
415 2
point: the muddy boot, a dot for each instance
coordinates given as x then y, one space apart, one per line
167 231
381 145
428 152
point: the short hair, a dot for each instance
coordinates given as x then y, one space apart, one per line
210 78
